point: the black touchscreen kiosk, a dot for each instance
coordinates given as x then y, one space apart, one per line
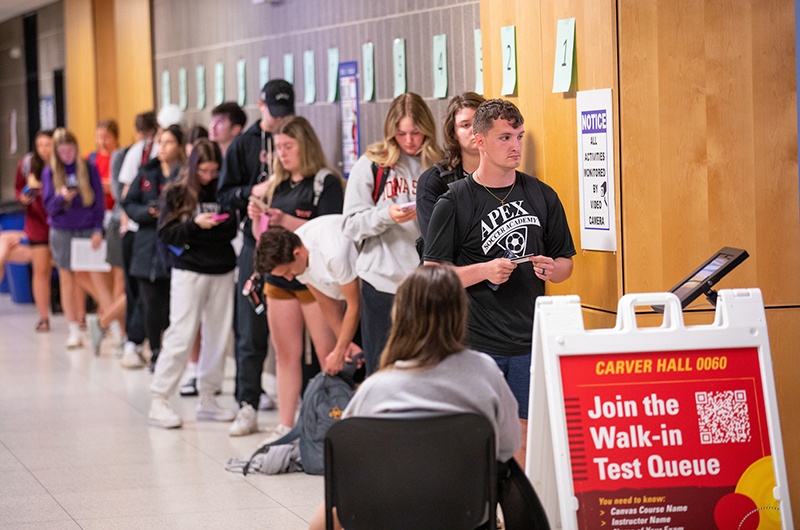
706 276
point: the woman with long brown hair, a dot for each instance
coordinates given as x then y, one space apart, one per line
198 237
425 367
380 212
301 187
73 198
461 156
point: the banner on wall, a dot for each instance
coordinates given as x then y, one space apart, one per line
669 427
596 170
351 135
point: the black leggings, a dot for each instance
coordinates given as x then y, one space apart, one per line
155 303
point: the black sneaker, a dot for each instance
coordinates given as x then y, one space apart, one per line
153 359
190 388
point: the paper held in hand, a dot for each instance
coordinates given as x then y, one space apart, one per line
84 258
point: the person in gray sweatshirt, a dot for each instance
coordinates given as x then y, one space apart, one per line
380 213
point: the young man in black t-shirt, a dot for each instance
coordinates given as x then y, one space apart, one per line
495 214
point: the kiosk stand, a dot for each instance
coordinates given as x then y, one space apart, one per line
656 428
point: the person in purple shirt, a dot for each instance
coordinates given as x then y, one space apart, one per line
74 202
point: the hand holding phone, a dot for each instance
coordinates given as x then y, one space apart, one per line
407 207
220 217
258 202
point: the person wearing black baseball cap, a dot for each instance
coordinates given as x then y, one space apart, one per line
245 171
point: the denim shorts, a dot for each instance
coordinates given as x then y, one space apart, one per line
517 371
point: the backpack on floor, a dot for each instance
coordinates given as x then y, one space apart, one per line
323 403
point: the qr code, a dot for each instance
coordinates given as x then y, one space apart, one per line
723 417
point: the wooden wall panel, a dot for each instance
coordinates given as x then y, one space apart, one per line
134 63
81 85
709 142
106 55
550 151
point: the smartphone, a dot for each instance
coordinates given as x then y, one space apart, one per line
220 217
408 206
30 192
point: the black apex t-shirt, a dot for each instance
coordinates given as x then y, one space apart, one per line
501 321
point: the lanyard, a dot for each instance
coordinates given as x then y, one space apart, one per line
266 164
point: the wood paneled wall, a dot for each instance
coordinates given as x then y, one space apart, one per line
109 65
551 148
191 33
706 126
709 159
81 77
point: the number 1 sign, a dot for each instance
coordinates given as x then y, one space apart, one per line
565 51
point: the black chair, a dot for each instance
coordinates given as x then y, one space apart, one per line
435 472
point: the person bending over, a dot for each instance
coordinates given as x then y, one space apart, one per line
319 256
425 366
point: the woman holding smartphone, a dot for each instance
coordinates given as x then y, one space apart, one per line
28 186
198 238
73 198
301 187
380 214
148 265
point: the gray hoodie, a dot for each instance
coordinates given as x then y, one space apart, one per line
389 253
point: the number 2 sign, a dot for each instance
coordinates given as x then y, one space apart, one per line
508 38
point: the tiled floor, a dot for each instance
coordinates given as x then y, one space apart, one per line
76 450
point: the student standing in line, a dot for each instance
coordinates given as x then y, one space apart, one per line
302 187
195 134
73 199
461 158
199 235
247 166
28 185
106 137
383 218
135 156
319 256
148 265
227 122
426 368
483 221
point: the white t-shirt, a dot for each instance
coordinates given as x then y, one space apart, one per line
331 256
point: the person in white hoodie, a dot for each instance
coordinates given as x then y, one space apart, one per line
380 213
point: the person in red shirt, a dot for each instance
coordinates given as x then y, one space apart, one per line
28 187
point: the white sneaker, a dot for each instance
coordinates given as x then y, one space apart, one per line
115 334
278 432
266 402
209 410
132 358
246 421
74 339
162 415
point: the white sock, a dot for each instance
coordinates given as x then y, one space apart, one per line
191 370
74 328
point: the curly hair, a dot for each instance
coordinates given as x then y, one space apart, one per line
495 109
275 247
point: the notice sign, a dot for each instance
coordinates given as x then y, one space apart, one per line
351 137
669 440
596 170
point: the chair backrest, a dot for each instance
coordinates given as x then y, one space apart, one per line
434 472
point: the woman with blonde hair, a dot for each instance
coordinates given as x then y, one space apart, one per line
380 213
425 367
73 198
301 187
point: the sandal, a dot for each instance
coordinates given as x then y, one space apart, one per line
43 325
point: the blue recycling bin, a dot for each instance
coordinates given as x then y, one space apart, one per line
19 281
